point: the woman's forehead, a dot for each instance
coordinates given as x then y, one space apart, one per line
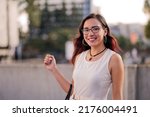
91 22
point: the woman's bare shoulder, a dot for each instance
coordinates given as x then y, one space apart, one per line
116 60
77 57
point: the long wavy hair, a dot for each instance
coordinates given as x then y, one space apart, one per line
79 47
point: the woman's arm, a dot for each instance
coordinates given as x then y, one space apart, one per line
117 75
50 64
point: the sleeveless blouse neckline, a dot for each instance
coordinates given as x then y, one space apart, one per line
95 61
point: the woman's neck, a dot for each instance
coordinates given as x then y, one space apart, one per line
95 50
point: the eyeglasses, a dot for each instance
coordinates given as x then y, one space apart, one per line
94 29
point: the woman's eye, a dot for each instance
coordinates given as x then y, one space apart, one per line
96 28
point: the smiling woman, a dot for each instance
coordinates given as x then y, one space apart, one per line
124 11
97 65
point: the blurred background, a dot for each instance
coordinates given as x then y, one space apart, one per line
29 29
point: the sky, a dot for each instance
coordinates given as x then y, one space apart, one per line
122 11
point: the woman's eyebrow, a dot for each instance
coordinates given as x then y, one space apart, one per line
92 26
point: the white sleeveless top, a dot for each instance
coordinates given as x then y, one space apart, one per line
92 79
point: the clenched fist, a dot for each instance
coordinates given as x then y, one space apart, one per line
50 62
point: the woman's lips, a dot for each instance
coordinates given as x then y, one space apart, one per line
92 39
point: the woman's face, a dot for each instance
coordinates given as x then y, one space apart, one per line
93 32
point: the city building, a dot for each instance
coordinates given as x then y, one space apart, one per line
9 32
126 30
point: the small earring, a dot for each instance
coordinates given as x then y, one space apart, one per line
105 39
84 43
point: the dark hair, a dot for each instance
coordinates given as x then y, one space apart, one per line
80 47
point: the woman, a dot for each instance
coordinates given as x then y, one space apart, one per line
97 65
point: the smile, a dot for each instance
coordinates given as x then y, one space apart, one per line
92 39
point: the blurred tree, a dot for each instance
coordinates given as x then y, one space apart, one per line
124 43
34 13
147 30
147 11
51 25
147 7
54 44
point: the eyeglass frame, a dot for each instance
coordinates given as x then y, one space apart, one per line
99 27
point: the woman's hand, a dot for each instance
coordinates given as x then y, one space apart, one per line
50 62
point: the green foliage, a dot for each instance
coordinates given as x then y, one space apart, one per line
147 11
50 29
34 13
147 30
55 44
147 7
124 43
127 46
59 38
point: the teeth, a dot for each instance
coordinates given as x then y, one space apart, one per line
92 39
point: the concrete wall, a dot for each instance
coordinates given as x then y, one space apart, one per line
34 82
137 82
143 83
30 81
